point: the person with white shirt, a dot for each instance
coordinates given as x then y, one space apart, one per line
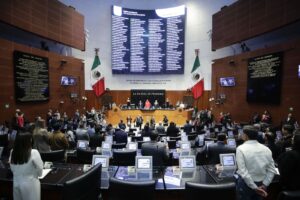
255 167
26 165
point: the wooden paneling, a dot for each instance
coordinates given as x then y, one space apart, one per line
73 67
120 97
236 102
47 18
248 18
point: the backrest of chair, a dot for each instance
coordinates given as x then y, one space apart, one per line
95 142
172 144
191 137
3 140
53 156
86 186
289 195
124 158
118 146
132 190
85 156
213 156
213 191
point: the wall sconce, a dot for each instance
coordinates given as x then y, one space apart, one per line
84 98
62 63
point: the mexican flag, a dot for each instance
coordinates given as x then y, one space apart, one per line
198 87
97 78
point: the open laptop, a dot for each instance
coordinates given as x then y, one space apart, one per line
228 163
143 167
104 160
132 145
106 149
231 142
187 165
82 144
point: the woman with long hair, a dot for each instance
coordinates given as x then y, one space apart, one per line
26 165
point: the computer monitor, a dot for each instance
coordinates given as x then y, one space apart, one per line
231 142
143 163
227 160
104 160
184 138
185 145
132 145
208 142
230 134
187 163
106 145
146 139
109 139
82 144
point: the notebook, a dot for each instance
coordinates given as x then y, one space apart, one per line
143 166
104 160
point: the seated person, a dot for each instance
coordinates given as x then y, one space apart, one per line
172 130
147 104
214 150
167 103
157 150
156 104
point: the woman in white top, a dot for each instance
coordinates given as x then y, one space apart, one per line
26 165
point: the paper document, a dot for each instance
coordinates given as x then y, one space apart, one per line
172 180
45 172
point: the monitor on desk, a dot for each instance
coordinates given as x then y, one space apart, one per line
231 142
187 163
143 163
227 160
146 139
106 145
230 134
185 145
109 139
82 144
132 145
104 160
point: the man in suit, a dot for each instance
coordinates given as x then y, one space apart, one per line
160 128
172 130
214 150
122 125
120 136
187 127
157 150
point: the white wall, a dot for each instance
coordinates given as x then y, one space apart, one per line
198 24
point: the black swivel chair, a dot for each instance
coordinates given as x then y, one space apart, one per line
212 191
118 146
119 189
86 186
172 144
53 156
85 156
289 195
124 158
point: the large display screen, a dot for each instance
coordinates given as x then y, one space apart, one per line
148 41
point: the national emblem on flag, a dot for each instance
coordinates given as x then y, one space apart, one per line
198 88
97 78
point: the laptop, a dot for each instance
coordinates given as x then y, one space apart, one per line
104 160
231 142
82 144
106 149
132 145
143 166
228 163
187 165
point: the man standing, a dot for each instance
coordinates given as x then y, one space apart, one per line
255 167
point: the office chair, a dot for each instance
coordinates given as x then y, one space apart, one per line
119 189
95 142
85 156
172 144
213 191
175 138
124 158
86 186
118 146
53 156
289 195
191 137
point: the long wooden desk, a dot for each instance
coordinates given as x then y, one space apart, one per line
179 116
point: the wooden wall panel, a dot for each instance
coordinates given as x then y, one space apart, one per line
236 102
47 18
120 97
73 67
246 19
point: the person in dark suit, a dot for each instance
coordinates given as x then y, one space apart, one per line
187 128
172 130
214 150
146 132
122 125
270 142
120 136
289 120
157 150
286 140
289 165
139 121
160 128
